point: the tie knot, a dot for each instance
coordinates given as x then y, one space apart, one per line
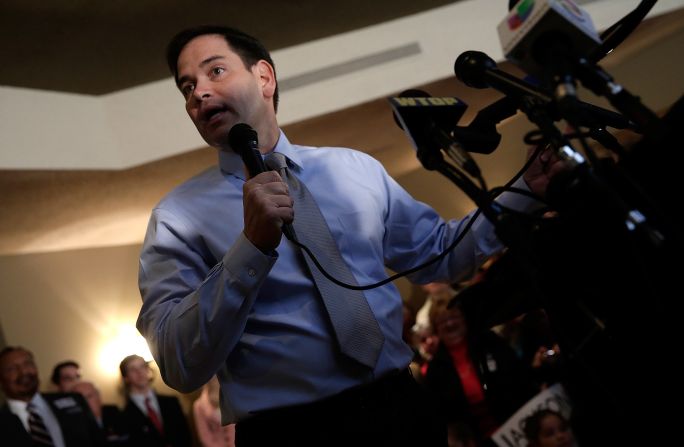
276 161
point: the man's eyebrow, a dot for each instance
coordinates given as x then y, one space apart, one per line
206 61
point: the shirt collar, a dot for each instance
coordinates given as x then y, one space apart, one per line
17 406
231 163
142 396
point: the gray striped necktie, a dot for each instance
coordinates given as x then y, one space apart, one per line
37 429
357 331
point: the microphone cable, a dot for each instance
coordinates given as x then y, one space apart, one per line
471 220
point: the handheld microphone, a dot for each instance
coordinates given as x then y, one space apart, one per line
424 119
245 142
537 34
243 139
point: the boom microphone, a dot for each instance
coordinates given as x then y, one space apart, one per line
243 139
477 70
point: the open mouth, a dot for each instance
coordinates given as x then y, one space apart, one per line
213 113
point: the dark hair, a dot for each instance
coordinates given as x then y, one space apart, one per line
57 370
247 47
532 424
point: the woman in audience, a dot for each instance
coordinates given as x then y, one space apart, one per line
476 378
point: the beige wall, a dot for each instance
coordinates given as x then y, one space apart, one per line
70 305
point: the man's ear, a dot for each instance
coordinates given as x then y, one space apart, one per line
267 78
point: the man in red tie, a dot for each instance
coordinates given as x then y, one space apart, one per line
154 419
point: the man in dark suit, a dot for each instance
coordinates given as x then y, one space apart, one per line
153 419
30 418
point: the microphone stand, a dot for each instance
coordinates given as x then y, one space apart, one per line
601 83
535 106
433 160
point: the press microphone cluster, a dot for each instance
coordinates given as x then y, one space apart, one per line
555 40
244 140
476 69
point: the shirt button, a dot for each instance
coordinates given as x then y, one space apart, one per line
251 272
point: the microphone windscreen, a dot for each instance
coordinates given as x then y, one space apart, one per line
410 93
470 68
242 137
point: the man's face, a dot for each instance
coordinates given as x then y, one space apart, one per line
68 377
137 374
19 375
219 91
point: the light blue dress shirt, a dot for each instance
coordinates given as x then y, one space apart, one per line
214 303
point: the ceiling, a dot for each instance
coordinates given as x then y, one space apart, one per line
98 47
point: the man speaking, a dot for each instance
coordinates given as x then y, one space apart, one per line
301 360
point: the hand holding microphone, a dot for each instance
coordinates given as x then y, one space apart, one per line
267 205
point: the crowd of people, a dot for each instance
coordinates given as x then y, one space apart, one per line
74 415
477 378
478 375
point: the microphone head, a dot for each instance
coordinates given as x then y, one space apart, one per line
243 137
541 35
417 108
414 93
470 68
425 119
410 93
